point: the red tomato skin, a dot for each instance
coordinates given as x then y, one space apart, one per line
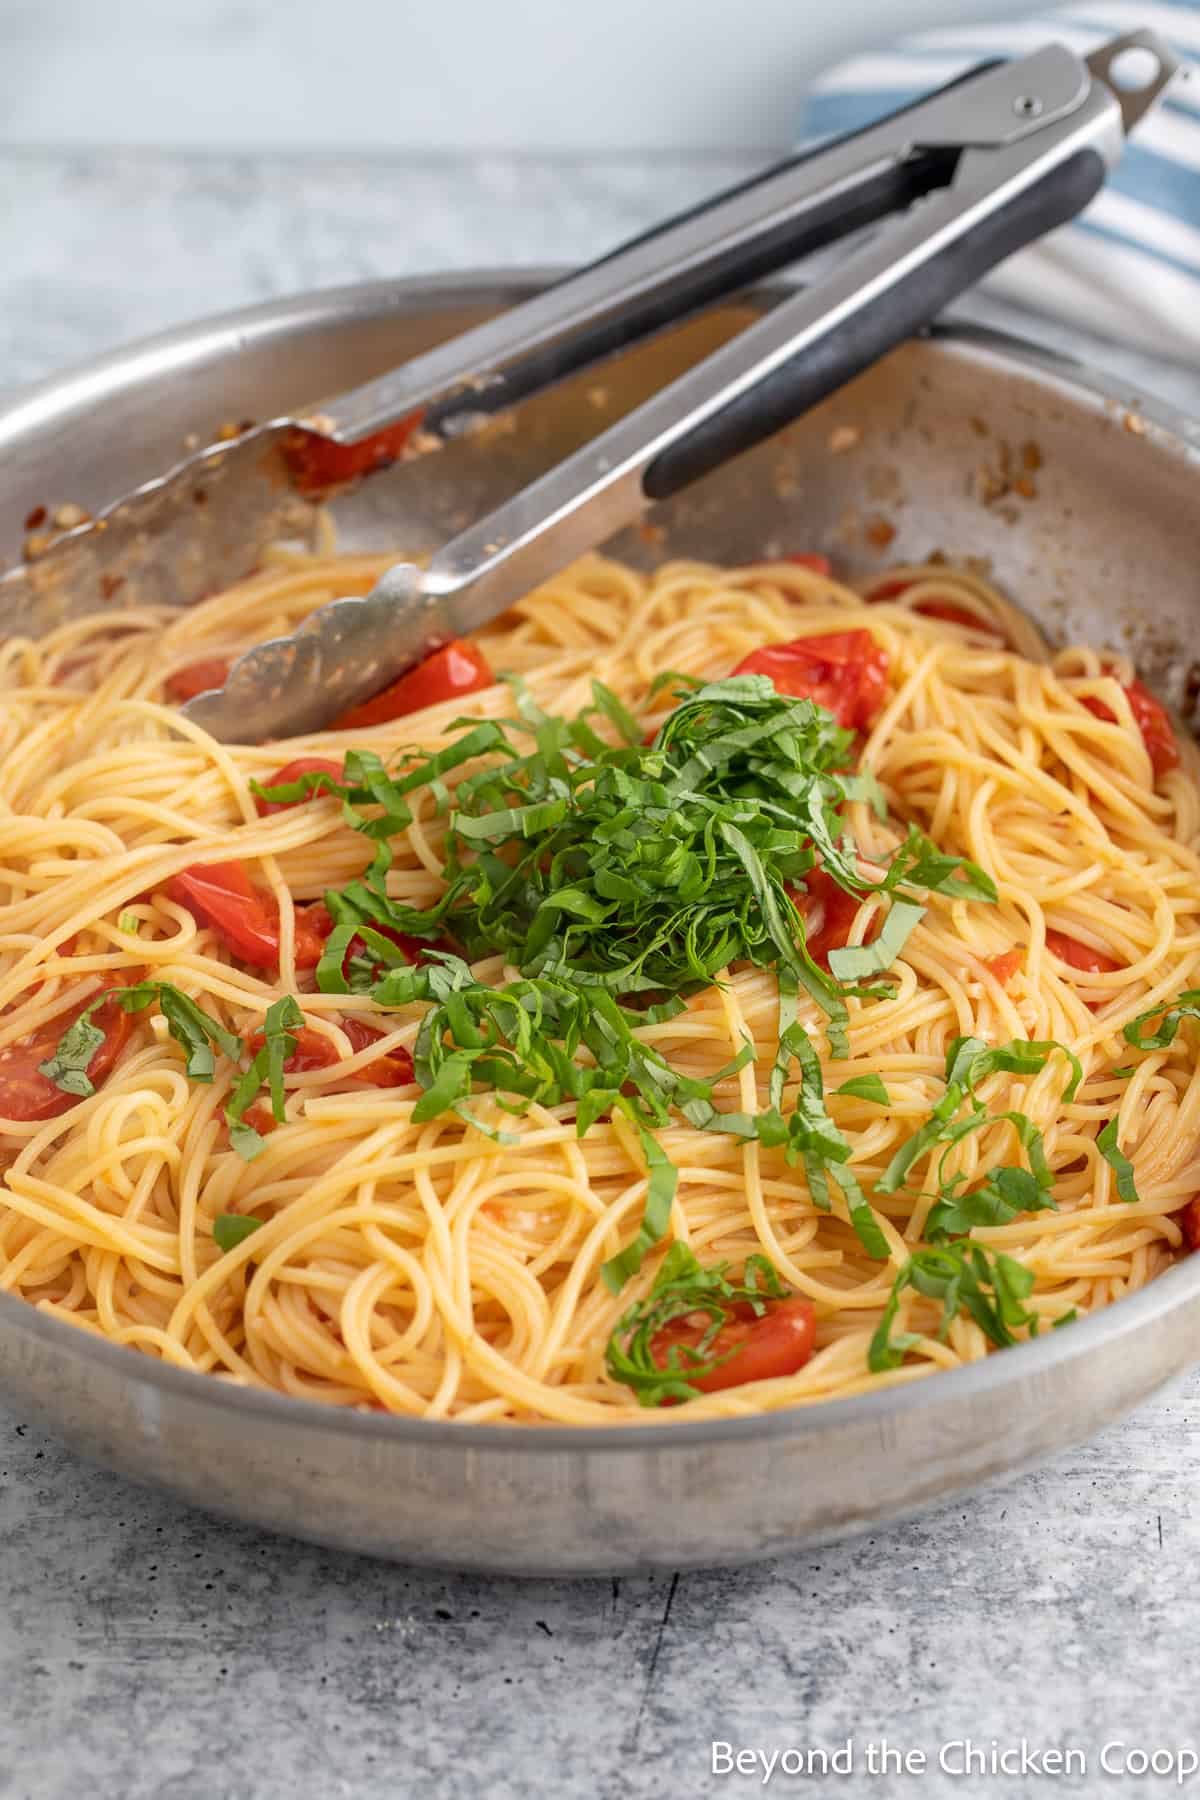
320 923
314 1051
244 917
197 678
809 559
1005 965
456 669
393 1070
1152 720
223 896
891 589
303 765
844 671
1189 1220
1079 956
838 911
318 464
778 1342
26 1095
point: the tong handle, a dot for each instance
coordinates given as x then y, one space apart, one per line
691 261
999 200
870 331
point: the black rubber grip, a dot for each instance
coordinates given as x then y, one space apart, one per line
852 347
889 191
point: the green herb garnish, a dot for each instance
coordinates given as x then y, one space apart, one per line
1186 1007
232 1229
618 873
968 1062
866 1087
618 879
199 1035
988 1285
282 1018
1120 1164
188 1023
682 1287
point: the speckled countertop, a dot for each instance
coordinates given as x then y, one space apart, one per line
146 1650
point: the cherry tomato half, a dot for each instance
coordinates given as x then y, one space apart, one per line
28 1095
315 1051
808 559
845 672
457 668
319 922
303 765
197 678
1079 956
317 464
828 912
244 917
393 1070
1152 720
778 1342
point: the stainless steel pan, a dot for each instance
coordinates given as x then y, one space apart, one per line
927 452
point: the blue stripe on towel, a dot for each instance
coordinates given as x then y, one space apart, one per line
1151 203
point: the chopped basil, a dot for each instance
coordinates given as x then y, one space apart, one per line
618 879
1120 1164
683 1287
988 1285
873 958
232 1229
188 1023
865 1087
282 1018
1186 1007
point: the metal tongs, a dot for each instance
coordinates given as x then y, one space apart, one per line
976 170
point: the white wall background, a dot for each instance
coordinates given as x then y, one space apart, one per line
437 74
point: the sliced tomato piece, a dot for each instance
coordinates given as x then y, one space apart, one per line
393 1070
457 668
314 1051
828 912
197 678
303 765
26 1094
778 1342
844 671
1005 965
320 923
1153 721
891 589
317 464
1189 1219
1079 956
244 917
259 1117
808 559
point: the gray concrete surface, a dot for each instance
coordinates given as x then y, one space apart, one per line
147 1650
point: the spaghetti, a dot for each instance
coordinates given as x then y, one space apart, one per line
373 1252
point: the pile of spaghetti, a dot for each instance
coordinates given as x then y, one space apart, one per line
714 991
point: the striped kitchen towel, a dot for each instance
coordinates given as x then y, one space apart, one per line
1129 267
